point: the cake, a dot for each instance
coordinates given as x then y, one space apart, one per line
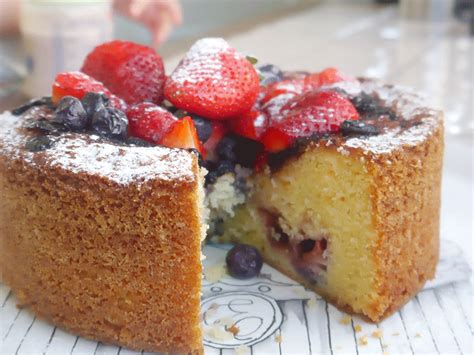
108 192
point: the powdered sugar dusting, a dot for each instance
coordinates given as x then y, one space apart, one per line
202 62
408 105
80 153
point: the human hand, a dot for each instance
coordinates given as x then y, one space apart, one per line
160 16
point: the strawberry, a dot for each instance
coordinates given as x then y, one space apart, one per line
251 124
184 135
290 86
149 121
326 77
78 84
131 71
260 162
314 112
213 81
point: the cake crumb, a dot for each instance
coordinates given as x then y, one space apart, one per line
311 303
242 350
233 329
418 335
210 312
358 328
278 338
215 272
218 332
345 320
363 340
396 334
385 353
377 333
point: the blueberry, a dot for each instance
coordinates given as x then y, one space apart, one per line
365 104
269 74
226 148
32 103
243 261
203 127
111 123
358 128
93 102
40 143
71 114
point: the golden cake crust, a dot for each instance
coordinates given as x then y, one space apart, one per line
107 258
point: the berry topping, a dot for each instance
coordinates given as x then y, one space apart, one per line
131 71
93 102
110 123
251 124
183 134
37 144
269 74
213 81
78 84
292 86
314 112
71 114
203 126
328 76
358 128
219 130
149 122
243 261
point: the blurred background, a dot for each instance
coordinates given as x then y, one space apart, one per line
424 44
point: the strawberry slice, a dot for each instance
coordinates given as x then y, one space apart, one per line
183 134
251 124
213 81
78 84
290 86
327 76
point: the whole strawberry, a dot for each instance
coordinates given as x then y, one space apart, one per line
213 81
129 70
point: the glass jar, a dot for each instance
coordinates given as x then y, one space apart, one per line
58 34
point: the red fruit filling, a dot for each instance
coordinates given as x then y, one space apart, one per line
250 125
328 76
132 71
308 256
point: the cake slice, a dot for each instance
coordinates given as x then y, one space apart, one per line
102 239
354 219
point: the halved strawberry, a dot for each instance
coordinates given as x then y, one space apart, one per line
213 81
251 124
78 84
149 121
327 76
183 134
